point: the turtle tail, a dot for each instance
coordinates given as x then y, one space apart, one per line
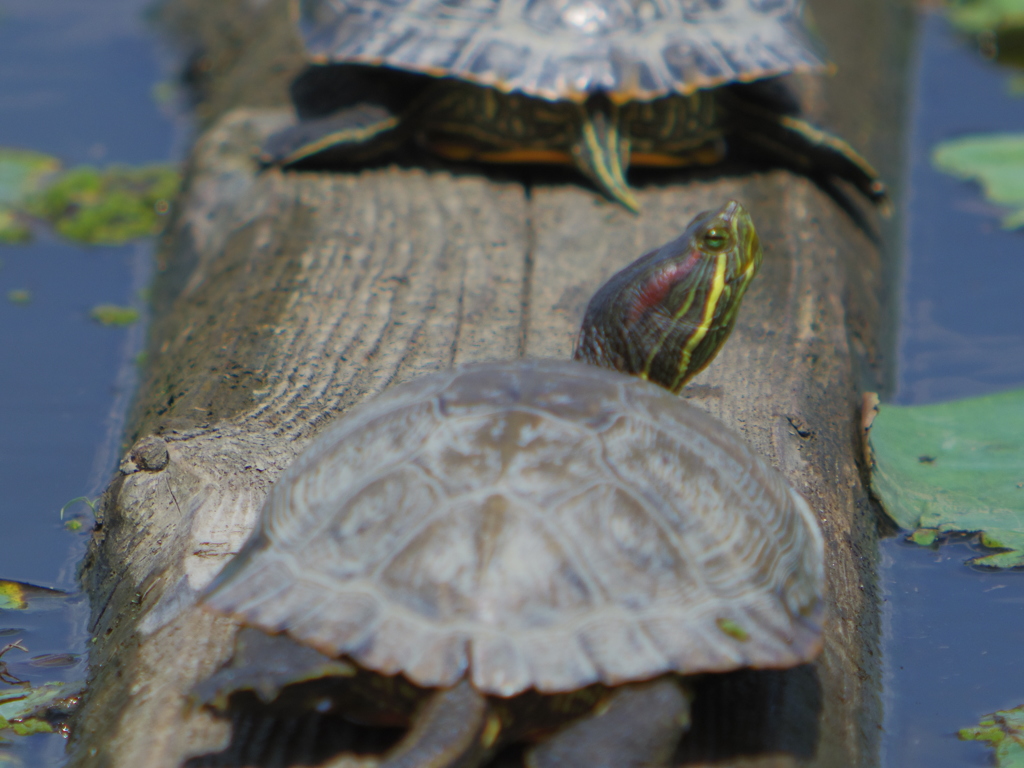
601 149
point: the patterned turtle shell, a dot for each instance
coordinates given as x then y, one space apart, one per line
600 85
568 49
540 524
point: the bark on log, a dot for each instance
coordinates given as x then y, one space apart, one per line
284 299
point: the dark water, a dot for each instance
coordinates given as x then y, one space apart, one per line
954 634
76 81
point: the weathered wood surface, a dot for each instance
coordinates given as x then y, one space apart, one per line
284 299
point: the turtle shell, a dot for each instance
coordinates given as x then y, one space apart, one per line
568 49
539 524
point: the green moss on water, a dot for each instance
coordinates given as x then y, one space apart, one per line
113 315
107 207
1004 732
23 172
12 230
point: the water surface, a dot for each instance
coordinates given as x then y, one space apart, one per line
953 634
76 81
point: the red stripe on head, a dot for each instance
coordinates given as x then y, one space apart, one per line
657 287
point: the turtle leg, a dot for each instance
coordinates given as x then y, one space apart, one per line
350 135
601 149
455 728
640 725
804 147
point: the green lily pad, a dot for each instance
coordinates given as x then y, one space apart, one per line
1004 731
994 160
955 467
19 596
974 16
107 207
113 315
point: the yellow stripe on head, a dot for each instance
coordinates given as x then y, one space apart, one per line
710 304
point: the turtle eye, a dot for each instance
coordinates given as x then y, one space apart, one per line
717 239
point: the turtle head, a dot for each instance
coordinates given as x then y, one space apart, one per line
665 316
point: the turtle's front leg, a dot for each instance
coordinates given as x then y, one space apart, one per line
601 149
639 725
353 134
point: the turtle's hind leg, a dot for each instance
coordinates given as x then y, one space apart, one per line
802 146
639 725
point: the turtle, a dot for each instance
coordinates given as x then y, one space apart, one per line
536 551
601 85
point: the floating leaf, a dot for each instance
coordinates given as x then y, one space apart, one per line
1004 731
24 711
106 207
974 16
955 467
19 596
996 161
111 314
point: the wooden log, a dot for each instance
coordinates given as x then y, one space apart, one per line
284 299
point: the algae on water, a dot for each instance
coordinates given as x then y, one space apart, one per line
1004 731
107 207
22 173
114 315
85 204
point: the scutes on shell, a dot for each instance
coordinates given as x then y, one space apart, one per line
568 49
540 524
